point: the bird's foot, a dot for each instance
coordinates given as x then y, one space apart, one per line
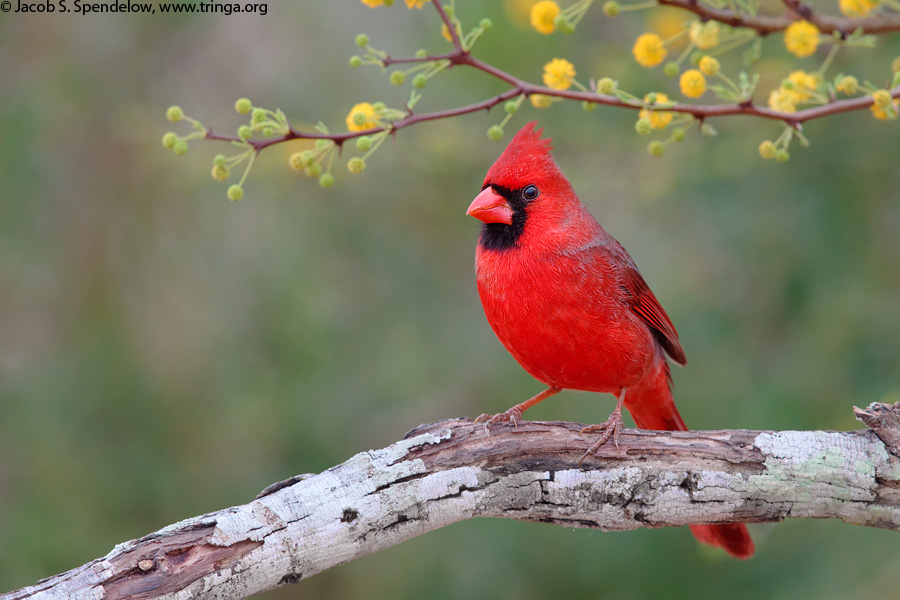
611 428
514 414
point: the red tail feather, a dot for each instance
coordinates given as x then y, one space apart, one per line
652 406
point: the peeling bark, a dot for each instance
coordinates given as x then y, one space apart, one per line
451 471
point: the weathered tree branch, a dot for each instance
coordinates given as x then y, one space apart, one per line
451 471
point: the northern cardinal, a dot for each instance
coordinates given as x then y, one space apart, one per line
569 304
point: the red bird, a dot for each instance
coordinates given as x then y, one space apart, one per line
569 304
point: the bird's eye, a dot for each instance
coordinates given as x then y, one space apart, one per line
530 192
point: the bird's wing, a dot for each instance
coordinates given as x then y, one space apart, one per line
645 305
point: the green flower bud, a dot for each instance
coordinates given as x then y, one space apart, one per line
313 170
643 126
243 106
378 106
363 143
174 113
355 61
486 24
362 40
180 147
307 157
421 53
896 81
651 98
219 160
562 23
397 78
419 81
708 130
671 69
269 131
449 10
611 8
296 161
245 131
220 173
235 192
356 165
257 116
321 143
326 180
588 106
782 156
606 86
767 149
511 107
656 148
495 133
678 134
169 139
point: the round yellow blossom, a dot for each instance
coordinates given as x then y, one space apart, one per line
361 117
767 149
558 74
415 3
783 100
801 38
658 120
803 84
692 83
704 35
709 66
372 3
648 50
848 85
445 31
856 8
884 107
542 16
540 100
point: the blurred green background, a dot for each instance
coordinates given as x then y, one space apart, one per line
165 353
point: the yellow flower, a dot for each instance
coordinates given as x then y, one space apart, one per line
415 3
372 3
709 66
884 113
848 85
648 50
540 100
705 35
884 107
558 74
542 15
361 117
658 120
801 38
692 83
803 84
783 100
445 31
856 8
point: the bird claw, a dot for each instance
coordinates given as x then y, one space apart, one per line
611 428
512 415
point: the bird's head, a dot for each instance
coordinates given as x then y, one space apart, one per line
524 186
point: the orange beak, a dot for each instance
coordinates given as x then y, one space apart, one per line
491 207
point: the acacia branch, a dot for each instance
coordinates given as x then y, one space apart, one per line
766 24
451 471
461 57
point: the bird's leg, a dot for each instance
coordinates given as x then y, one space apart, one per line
610 428
514 414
